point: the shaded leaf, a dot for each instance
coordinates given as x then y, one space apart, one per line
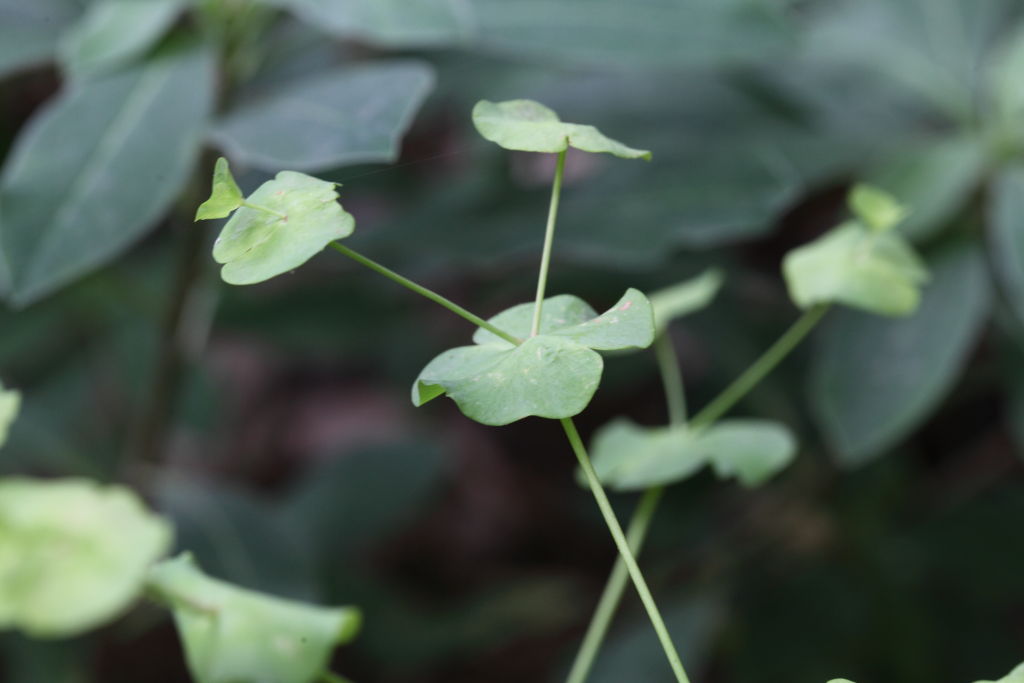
114 32
344 116
29 30
10 403
877 272
685 298
73 554
496 384
627 324
628 457
231 634
529 126
1006 233
873 380
298 216
225 196
88 175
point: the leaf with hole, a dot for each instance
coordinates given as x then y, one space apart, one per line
10 403
115 32
552 375
232 634
684 298
73 554
628 457
283 224
528 126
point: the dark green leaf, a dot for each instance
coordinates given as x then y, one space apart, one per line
89 174
875 379
115 32
1006 233
10 402
353 115
73 554
234 635
29 30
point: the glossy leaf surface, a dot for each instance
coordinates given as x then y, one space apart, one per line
528 126
73 554
231 634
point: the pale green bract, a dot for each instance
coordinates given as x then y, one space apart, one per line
225 196
73 554
685 298
283 224
552 375
852 265
10 403
528 126
1015 676
628 457
235 635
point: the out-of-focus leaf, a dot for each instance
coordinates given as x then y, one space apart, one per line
1006 82
934 180
29 30
1015 676
73 554
628 457
529 126
875 208
344 116
10 402
225 195
114 32
30 661
298 216
874 379
851 265
553 374
1006 233
685 298
231 634
89 175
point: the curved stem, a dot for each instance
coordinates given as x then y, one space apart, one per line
648 505
616 586
423 291
624 551
549 239
671 379
742 385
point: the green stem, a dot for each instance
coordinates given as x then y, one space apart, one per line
423 291
625 553
742 385
613 590
549 239
671 379
257 207
668 363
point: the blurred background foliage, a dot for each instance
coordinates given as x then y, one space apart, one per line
272 423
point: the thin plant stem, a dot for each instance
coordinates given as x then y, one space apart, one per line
742 385
640 522
671 379
549 239
616 586
625 553
423 291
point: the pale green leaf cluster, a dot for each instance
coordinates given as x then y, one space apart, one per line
628 457
73 554
862 263
528 126
283 224
552 375
685 298
234 635
10 404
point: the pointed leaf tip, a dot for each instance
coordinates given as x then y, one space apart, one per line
528 126
225 196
